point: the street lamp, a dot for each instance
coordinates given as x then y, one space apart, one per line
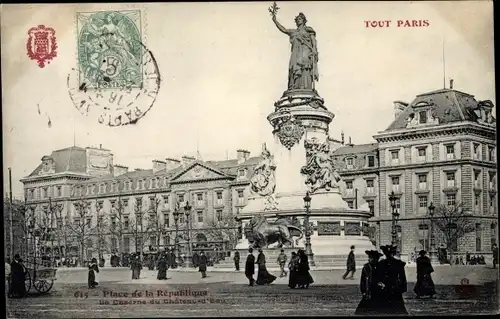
176 243
307 205
432 253
31 230
395 217
187 212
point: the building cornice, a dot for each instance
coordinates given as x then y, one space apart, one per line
417 133
438 164
62 175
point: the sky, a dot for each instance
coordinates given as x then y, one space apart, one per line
223 65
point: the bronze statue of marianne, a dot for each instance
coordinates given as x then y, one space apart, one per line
303 67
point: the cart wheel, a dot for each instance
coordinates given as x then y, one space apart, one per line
27 281
43 286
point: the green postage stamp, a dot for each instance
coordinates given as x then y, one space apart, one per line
110 48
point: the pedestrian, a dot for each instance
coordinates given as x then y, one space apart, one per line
293 267
93 270
7 276
196 259
263 276
250 267
136 266
495 255
351 264
425 285
17 278
203 264
467 258
162 268
282 262
370 301
303 277
392 280
236 259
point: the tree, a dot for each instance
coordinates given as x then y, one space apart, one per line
155 213
117 228
223 230
19 230
100 229
140 226
81 225
60 231
454 222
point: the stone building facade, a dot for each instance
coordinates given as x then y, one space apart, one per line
440 148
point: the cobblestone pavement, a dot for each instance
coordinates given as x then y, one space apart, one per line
226 294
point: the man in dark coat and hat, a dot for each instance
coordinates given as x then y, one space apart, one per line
425 285
250 267
17 278
371 291
202 264
351 264
162 268
392 280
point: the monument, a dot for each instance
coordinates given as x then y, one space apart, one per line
300 162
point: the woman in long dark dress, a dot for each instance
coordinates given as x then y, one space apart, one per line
162 268
263 277
93 269
425 285
370 301
17 278
293 266
304 278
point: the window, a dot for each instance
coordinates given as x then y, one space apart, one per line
350 162
395 157
371 205
348 186
491 153
113 243
166 240
102 188
422 117
421 154
219 214
125 222
477 201
450 199
241 173
450 179
478 237
154 182
477 179
58 191
423 236
398 203
166 220
199 199
113 222
350 203
241 197
30 194
422 181
395 183
422 203
371 161
199 215
126 245
152 241
492 180
89 189
476 151
492 202
218 198
370 186
181 198
450 151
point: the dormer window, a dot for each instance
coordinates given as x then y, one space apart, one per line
241 173
350 162
422 116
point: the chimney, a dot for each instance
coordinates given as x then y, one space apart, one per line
399 107
171 163
451 84
100 146
186 160
242 155
158 166
119 170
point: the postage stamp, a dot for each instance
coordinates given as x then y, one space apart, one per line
117 78
109 48
41 45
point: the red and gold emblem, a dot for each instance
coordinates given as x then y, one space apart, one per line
41 45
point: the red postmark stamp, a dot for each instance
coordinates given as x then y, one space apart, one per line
41 45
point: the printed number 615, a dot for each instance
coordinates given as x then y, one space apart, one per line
80 294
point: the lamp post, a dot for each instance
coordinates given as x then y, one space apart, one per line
432 253
307 205
187 212
395 216
176 243
31 229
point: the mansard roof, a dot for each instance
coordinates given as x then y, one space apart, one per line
446 105
356 149
71 159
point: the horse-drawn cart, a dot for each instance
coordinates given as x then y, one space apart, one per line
39 275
